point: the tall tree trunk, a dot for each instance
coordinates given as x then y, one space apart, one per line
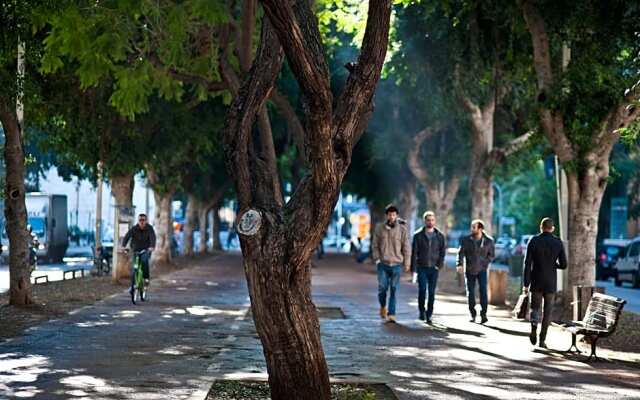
278 240
217 244
440 200
481 187
189 224
122 190
15 209
407 202
163 227
203 216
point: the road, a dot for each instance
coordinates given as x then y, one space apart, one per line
77 257
631 295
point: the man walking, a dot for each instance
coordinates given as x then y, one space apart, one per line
427 256
391 251
545 254
476 253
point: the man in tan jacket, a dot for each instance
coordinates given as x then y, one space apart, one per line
391 251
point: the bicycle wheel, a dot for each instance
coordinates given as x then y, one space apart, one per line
139 283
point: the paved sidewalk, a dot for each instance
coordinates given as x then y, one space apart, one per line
195 329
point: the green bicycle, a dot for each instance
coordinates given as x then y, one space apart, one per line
137 278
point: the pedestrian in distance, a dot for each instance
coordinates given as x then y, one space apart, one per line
427 257
476 252
391 252
545 254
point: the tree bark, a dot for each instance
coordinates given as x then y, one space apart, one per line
122 190
217 244
203 214
587 182
189 224
276 256
407 202
440 191
163 227
15 209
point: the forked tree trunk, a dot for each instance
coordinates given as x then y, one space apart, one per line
278 240
189 224
203 215
122 190
587 179
481 187
15 210
217 244
407 203
163 227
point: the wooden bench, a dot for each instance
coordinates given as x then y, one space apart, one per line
43 277
600 320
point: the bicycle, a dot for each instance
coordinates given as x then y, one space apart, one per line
137 287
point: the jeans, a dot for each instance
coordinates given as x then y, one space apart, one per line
536 305
388 279
427 277
471 292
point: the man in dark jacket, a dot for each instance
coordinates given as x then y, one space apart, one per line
427 256
142 236
476 253
545 254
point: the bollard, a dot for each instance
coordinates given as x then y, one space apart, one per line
498 279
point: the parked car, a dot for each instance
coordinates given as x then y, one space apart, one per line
504 247
521 247
628 265
607 257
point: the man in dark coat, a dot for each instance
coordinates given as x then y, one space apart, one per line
142 237
427 256
476 253
545 254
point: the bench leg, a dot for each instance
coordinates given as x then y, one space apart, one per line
594 340
574 348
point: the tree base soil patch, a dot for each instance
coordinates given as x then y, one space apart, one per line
253 390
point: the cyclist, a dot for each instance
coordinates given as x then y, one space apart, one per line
142 237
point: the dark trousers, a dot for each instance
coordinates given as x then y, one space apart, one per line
427 278
471 292
536 305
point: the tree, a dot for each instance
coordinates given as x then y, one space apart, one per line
584 55
18 79
276 255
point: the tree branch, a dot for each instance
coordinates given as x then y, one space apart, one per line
241 117
413 161
293 122
500 154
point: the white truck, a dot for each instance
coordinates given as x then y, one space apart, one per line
47 215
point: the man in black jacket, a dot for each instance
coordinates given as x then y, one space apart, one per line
427 256
545 254
142 236
476 253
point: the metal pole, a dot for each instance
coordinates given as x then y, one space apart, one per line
146 199
77 203
99 208
499 189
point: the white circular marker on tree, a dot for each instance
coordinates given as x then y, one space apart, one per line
250 223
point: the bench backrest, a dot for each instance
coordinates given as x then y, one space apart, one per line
603 312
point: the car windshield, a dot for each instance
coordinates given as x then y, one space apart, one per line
37 225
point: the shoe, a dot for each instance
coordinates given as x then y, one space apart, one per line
383 312
392 319
543 345
484 319
473 319
429 321
533 334
421 317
